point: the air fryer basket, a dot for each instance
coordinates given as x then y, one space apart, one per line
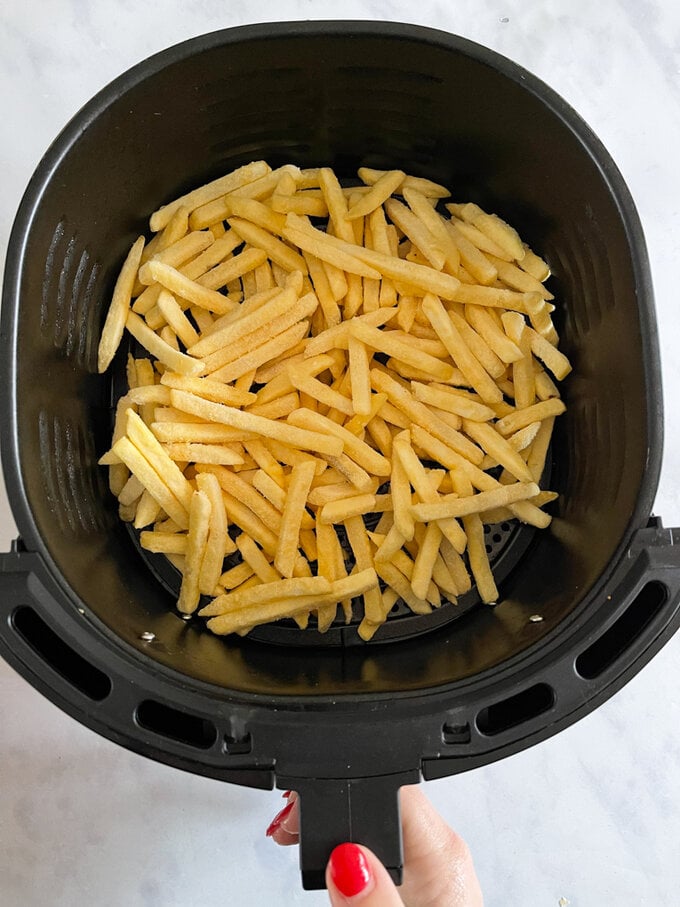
345 726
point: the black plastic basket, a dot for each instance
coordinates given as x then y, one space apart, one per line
346 726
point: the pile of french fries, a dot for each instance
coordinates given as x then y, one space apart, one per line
322 359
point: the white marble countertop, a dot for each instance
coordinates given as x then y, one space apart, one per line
592 815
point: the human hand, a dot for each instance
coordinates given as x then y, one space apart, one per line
438 868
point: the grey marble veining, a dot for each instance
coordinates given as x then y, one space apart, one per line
593 814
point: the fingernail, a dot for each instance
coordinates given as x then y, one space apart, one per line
286 794
278 819
350 871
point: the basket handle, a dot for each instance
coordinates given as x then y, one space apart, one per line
337 810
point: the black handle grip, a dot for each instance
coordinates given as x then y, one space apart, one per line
360 810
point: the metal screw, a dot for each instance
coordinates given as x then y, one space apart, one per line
147 636
81 610
535 618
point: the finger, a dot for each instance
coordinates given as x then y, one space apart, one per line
438 866
285 826
355 876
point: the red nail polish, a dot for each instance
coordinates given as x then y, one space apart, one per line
350 871
286 794
278 819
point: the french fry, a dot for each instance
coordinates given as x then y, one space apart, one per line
358 477
176 318
424 186
185 248
496 229
235 576
443 398
420 414
380 191
266 592
289 534
145 441
497 447
348 587
455 565
228 415
326 540
255 559
539 449
316 244
237 266
189 452
116 317
474 261
176 282
164 542
240 514
199 526
477 556
208 388
152 482
353 447
523 437
428 552
517 279
359 368
276 250
477 503
336 203
319 391
551 357
361 547
346 507
534 265
131 491
450 336
279 408
423 210
178 362
485 325
523 417
421 482
401 585
246 324
419 234
377 263
322 287
257 213
381 340
215 189
261 354
480 240
215 547
401 501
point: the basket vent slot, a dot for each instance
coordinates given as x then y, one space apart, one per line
70 473
68 316
615 641
64 660
515 710
176 725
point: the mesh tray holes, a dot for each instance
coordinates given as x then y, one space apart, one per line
506 543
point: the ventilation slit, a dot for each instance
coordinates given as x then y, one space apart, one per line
60 657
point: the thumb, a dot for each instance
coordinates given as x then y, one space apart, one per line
355 876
